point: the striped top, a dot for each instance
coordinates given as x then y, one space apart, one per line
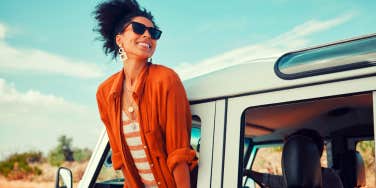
131 131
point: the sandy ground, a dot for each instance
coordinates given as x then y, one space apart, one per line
47 179
25 184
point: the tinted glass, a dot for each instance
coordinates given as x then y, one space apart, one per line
335 57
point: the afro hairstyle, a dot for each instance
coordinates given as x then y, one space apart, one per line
112 15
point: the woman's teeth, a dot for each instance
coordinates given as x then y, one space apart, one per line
144 44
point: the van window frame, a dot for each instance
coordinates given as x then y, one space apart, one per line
241 161
99 165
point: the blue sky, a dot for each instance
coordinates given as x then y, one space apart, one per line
51 64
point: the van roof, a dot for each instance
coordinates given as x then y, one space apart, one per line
255 76
262 75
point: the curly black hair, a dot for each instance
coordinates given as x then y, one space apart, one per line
112 15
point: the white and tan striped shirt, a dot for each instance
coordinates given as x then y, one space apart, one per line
131 131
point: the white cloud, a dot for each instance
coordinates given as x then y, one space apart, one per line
290 40
295 38
36 120
16 103
34 60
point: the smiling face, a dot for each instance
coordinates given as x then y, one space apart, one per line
137 46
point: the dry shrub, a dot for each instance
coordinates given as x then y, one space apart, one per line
77 168
18 166
49 172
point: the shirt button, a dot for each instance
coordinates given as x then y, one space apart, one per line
145 147
152 165
159 183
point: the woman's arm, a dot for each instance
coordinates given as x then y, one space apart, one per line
102 108
178 129
181 175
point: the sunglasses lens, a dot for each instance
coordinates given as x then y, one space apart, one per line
138 28
155 33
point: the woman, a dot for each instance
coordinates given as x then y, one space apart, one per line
144 106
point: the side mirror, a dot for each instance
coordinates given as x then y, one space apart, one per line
63 178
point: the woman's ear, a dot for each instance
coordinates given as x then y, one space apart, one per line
119 40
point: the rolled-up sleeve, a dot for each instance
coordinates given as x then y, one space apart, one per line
116 154
178 127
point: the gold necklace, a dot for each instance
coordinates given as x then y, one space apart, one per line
131 109
129 100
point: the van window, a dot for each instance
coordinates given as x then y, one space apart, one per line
340 56
196 134
268 160
336 119
108 176
366 149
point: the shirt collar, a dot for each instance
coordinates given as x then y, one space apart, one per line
117 86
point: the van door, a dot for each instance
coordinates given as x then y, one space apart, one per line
203 119
219 144
233 165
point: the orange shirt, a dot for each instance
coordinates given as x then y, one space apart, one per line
165 121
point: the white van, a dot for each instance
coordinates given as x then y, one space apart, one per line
241 115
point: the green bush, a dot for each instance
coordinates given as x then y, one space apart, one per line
367 150
65 147
55 157
16 166
81 155
277 149
62 152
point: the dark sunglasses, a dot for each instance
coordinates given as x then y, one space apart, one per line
140 28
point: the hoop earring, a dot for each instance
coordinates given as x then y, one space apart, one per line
122 54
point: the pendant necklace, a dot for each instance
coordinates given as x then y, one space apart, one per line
130 108
131 113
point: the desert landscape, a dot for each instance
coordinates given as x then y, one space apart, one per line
46 178
33 170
